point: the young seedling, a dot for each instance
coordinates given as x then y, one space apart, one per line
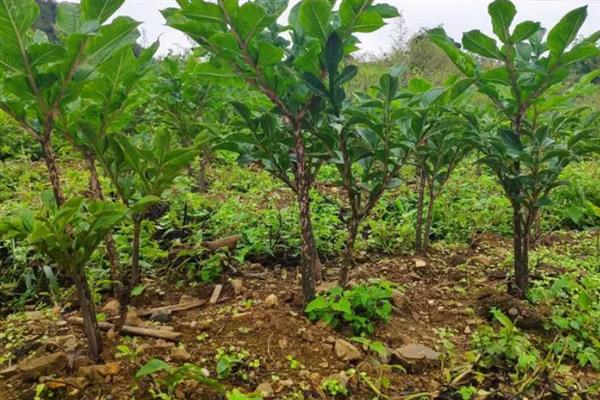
69 235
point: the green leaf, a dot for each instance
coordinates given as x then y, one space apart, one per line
273 7
333 53
314 18
385 10
250 20
16 17
524 31
563 33
268 54
153 366
99 10
502 12
463 61
481 44
142 204
579 53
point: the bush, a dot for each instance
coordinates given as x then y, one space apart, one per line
358 307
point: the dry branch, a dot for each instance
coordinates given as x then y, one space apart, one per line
133 330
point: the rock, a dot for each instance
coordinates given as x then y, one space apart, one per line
271 300
483 260
419 263
180 354
264 389
163 344
32 369
347 351
80 361
100 372
330 339
111 308
162 316
467 330
205 324
416 357
238 286
186 298
133 318
325 286
513 312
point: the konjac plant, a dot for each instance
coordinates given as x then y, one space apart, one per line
529 147
246 41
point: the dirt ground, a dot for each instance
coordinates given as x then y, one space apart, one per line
450 292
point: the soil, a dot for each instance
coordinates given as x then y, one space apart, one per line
451 293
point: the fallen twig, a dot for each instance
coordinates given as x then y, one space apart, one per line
172 308
133 330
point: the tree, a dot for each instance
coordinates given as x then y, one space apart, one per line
39 77
439 133
104 106
529 148
364 142
190 106
69 234
246 41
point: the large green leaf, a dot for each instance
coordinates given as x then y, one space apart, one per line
502 12
314 18
524 31
99 10
358 16
563 33
481 44
120 33
463 61
16 17
250 20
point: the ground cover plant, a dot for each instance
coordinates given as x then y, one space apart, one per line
269 215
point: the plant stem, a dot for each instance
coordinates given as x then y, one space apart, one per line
88 313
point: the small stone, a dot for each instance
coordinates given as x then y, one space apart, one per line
80 361
100 372
283 344
416 357
133 318
162 316
186 299
324 364
205 324
238 286
419 263
325 287
330 339
347 351
163 344
180 354
112 308
50 364
264 389
287 382
467 330
271 300
513 312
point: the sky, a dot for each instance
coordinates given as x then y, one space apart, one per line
456 16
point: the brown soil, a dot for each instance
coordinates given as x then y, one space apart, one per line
444 296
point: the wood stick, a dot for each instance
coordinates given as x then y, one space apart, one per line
216 293
172 308
133 330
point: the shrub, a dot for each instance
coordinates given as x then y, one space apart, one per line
358 307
